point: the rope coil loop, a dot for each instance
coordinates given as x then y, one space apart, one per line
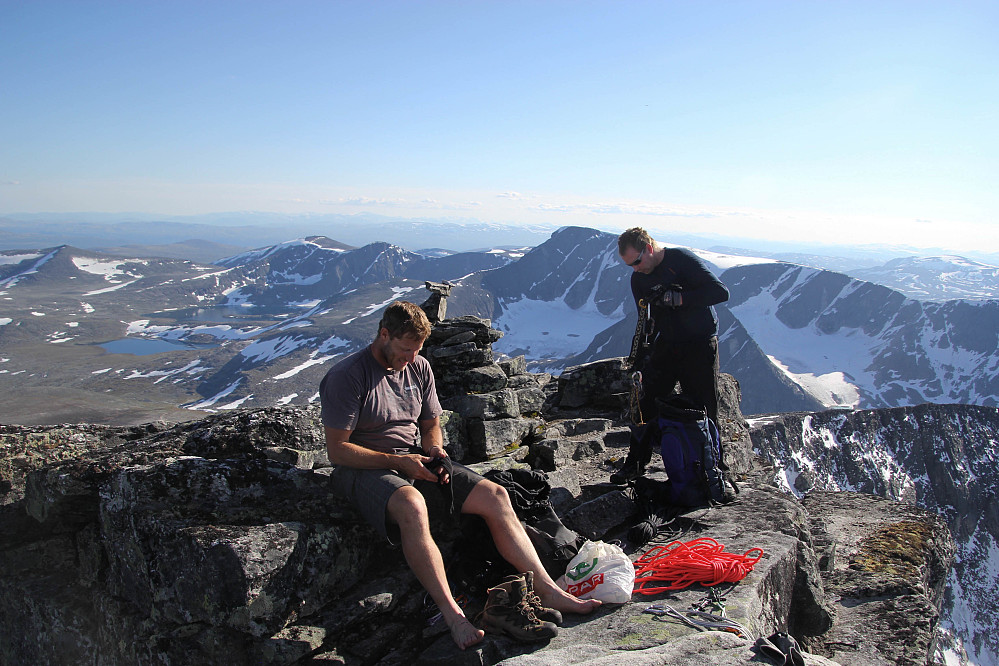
682 564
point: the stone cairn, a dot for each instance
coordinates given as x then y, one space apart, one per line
494 408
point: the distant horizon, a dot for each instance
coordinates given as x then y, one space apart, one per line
296 224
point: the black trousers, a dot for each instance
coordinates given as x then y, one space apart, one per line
695 366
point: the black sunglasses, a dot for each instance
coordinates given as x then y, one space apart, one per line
639 260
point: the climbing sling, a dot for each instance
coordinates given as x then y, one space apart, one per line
643 332
639 343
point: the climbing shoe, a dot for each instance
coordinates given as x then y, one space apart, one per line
629 471
509 611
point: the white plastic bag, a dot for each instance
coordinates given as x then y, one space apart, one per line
600 571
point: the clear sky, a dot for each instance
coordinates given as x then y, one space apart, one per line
876 121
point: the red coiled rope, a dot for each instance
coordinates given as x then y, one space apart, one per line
682 564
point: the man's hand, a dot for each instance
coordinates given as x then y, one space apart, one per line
412 466
437 451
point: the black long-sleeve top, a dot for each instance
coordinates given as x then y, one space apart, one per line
695 319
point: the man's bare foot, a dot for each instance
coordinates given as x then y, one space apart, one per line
564 602
464 632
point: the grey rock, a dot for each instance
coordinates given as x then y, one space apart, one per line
496 404
452 347
530 400
601 383
594 519
455 435
553 453
489 439
514 366
883 577
484 379
522 381
578 427
459 339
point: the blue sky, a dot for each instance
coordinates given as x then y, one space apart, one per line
789 120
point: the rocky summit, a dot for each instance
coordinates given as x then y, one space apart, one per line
217 541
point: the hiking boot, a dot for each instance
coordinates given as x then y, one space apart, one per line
540 612
629 471
508 611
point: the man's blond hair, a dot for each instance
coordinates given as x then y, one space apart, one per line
636 238
403 318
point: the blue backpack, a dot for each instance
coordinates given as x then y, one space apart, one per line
691 451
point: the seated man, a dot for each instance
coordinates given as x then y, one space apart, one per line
377 404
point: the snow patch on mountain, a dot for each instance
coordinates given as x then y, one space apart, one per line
109 269
204 276
264 351
549 329
335 343
236 298
207 403
191 369
142 328
317 357
831 389
314 360
110 289
279 278
375 307
236 404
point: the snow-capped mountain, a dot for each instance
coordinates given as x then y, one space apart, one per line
856 344
935 278
942 457
794 337
553 302
261 327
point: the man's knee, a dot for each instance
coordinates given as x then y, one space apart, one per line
407 506
488 498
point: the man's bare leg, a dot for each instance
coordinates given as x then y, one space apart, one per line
491 502
407 508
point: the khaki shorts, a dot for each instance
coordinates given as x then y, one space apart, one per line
369 490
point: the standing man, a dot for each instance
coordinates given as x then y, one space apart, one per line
378 406
677 291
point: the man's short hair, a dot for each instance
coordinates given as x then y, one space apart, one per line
403 318
636 238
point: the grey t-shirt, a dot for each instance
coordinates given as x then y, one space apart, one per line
381 407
